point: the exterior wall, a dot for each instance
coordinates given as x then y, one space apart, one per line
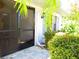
38 26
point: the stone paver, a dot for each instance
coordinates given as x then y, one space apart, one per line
29 53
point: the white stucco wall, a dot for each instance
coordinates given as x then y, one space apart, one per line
38 26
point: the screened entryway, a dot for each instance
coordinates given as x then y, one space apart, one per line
16 31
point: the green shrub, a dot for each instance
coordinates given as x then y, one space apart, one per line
70 26
64 47
48 36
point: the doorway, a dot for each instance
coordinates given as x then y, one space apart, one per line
26 26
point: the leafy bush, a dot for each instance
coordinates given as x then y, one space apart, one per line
48 36
70 20
70 26
64 47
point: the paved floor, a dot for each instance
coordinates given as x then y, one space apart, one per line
29 53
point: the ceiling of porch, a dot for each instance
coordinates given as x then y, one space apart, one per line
38 3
